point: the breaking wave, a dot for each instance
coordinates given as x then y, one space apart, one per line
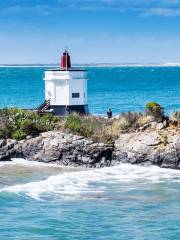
92 183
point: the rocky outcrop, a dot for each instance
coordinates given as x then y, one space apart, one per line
161 148
65 149
7 149
148 148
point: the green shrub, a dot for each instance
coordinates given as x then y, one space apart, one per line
100 129
87 126
154 109
73 123
17 122
19 135
91 126
27 125
6 132
45 123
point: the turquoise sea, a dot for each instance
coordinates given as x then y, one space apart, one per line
121 88
47 202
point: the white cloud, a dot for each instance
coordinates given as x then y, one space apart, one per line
166 12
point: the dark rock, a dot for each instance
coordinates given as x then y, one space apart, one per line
143 148
2 142
7 149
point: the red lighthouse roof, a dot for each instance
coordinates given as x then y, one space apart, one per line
65 61
65 64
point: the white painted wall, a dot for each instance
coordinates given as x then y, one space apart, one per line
49 91
61 92
76 86
59 86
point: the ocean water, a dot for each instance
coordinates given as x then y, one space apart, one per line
43 201
120 88
124 202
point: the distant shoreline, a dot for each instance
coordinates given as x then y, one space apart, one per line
96 65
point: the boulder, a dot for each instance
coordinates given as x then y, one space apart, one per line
154 124
159 126
7 149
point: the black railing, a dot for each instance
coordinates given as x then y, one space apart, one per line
44 106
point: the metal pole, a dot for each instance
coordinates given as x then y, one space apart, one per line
66 60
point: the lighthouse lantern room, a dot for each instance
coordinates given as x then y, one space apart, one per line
66 88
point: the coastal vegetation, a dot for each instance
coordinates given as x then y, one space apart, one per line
155 110
19 124
175 118
92 141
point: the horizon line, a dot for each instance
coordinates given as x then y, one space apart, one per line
91 64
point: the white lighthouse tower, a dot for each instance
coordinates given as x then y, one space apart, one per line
66 88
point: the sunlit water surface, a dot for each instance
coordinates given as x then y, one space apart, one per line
121 88
46 202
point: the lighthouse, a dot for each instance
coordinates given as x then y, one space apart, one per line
66 88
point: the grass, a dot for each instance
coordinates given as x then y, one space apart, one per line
18 124
175 118
100 129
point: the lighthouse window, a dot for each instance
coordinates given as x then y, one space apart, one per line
75 95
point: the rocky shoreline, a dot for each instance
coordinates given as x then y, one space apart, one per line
160 148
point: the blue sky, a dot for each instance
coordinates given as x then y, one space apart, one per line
116 31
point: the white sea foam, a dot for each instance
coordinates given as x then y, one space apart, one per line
93 182
23 162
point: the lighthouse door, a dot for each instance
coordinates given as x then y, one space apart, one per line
61 94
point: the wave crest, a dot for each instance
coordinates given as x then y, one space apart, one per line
94 182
